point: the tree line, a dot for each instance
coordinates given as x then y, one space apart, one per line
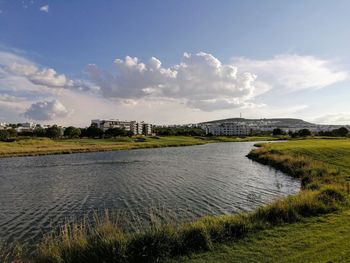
55 132
341 132
179 131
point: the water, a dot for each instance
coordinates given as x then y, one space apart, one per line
38 193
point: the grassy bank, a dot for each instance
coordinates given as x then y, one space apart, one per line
108 242
316 239
323 238
44 146
324 170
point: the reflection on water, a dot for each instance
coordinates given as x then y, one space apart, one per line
37 193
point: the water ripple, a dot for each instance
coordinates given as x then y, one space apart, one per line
39 193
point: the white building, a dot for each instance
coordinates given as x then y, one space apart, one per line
229 129
3 125
136 127
147 128
26 127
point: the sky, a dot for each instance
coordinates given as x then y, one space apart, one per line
174 62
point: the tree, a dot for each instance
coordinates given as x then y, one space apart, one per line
278 131
304 132
39 132
342 132
115 132
4 135
12 132
53 132
72 132
128 133
93 132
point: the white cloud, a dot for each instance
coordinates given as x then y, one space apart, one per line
13 66
200 80
46 110
46 77
293 72
334 118
198 88
203 82
8 98
44 8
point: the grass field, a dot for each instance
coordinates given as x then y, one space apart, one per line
42 146
318 239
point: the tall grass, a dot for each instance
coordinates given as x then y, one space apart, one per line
313 173
108 242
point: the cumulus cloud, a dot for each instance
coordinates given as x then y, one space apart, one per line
136 89
44 8
46 110
45 77
293 72
203 82
200 80
14 66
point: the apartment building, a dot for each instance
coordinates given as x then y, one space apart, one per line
229 129
137 128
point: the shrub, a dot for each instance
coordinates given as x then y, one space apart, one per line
4 135
194 237
106 244
152 245
331 196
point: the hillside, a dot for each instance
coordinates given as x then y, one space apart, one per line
276 121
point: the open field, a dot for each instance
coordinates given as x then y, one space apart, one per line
43 146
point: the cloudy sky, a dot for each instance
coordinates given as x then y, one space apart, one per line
168 62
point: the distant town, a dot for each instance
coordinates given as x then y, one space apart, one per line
224 127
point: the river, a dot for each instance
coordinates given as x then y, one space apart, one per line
39 193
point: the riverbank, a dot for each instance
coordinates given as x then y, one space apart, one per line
319 163
45 146
322 165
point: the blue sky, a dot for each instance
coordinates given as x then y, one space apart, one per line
261 58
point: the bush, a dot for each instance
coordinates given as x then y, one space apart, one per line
107 244
4 135
331 196
152 245
195 237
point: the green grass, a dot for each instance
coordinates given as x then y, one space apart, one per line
316 239
43 146
315 161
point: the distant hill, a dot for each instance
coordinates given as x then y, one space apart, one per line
278 122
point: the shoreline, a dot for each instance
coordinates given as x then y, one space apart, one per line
44 146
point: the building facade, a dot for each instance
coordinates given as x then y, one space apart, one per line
137 128
228 129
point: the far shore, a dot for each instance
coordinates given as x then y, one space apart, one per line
30 146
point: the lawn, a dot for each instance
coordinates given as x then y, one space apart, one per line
319 239
42 146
